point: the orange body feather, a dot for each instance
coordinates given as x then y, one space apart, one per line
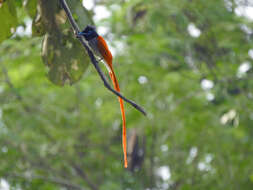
107 56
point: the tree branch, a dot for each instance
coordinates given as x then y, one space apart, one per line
9 83
93 59
58 181
85 177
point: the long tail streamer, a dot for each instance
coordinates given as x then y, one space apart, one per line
124 143
107 56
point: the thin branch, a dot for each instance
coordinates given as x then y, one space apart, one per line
9 83
58 181
12 88
93 59
85 177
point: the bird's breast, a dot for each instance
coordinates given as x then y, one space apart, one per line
93 43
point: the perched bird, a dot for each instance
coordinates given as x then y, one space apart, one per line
100 48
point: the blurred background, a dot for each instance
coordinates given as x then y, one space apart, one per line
188 63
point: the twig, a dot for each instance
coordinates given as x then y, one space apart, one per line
9 83
13 89
86 178
93 59
58 181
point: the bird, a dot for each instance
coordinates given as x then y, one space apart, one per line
100 48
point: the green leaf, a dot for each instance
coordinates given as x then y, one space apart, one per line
66 61
61 51
31 7
8 18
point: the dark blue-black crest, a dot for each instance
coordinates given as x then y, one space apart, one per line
89 32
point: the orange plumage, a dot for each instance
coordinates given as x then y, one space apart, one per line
107 56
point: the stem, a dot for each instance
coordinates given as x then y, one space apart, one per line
58 181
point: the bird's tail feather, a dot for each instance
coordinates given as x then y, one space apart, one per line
124 140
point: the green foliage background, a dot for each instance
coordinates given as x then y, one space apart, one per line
69 136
